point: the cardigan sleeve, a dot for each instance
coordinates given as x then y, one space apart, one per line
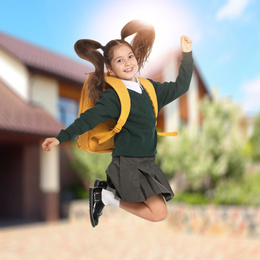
107 107
169 91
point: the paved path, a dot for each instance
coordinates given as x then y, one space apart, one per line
120 236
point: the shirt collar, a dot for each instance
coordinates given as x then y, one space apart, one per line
132 85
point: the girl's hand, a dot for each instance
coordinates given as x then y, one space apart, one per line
49 143
186 44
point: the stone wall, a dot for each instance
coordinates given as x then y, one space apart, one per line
237 221
218 220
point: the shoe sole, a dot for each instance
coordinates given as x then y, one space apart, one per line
91 206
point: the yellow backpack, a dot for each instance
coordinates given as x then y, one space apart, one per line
101 138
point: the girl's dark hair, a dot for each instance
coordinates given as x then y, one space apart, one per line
141 45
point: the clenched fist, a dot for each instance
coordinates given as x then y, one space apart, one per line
186 44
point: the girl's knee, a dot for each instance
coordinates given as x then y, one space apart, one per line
161 214
158 208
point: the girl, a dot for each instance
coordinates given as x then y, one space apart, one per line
134 182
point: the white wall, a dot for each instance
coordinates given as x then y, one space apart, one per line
49 170
45 93
14 74
172 111
193 105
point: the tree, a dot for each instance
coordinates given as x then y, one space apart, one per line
89 166
255 139
211 154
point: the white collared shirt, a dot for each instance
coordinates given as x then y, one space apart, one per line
135 86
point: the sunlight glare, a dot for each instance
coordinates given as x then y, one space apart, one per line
170 20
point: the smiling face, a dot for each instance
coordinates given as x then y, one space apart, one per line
123 63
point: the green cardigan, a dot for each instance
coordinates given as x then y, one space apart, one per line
138 137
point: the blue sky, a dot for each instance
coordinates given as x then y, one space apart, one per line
225 34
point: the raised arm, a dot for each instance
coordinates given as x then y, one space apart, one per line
169 91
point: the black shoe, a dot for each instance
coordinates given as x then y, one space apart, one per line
100 184
95 205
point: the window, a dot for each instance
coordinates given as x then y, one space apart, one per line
68 110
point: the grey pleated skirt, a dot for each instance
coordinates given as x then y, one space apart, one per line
137 179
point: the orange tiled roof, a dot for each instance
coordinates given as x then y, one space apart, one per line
43 60
20 117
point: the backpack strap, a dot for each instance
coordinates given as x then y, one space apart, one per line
125 103
149 88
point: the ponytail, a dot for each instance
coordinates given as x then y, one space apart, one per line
88 50
142 42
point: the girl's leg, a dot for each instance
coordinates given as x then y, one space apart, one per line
153 209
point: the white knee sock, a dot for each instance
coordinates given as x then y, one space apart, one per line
109 198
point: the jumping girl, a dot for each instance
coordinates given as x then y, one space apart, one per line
134 182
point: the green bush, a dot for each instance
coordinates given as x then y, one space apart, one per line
239 192
255 139
190 198
77 191
210 154
244 192
89 166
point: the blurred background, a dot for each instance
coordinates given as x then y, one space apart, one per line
225 34
214 162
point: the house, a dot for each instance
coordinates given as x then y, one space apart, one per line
184 111
39 90
33 84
